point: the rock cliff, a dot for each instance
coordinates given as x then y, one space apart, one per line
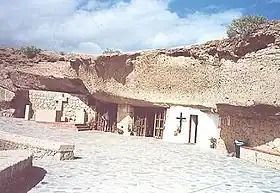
237 71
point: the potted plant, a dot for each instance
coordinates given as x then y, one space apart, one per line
178 130
213 143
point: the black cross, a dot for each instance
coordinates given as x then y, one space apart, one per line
181 119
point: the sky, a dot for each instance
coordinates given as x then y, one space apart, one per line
91 26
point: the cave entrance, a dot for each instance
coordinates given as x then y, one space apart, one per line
149 122
106 116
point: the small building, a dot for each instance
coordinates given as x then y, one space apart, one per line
50 106
176 124
190 125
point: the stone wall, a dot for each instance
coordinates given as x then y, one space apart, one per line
14 165
40 148
5 94
47 100
262 158
12 104
38 153
256 131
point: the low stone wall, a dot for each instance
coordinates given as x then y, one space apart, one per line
260 157
40 148
13 164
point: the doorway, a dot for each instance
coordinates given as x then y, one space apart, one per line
159 122
193 129
149 122
109 111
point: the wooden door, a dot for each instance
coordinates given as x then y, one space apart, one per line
141 126
99 122
159 121
100 111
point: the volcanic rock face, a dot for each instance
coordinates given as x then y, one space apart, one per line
237 71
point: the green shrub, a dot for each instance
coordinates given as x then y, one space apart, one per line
244 25
31 51
111 51
62 53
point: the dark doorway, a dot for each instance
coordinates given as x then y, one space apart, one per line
149 122
140 121
106 117
193 128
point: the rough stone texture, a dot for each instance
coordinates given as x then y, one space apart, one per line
231 71
12 103
46 100
39 147
265 159
12 165
255 131
272 146
6 95
236 71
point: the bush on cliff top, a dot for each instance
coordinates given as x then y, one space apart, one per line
111 51
30 51
244 25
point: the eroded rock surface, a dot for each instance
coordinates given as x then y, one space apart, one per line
233 71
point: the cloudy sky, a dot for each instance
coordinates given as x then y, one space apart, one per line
90 26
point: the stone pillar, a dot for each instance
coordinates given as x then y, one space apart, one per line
27 112
125 118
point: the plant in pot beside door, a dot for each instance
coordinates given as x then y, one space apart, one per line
178 130
213 142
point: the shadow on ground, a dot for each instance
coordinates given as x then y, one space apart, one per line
25 181
77 157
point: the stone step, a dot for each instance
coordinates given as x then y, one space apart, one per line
82 127
67 125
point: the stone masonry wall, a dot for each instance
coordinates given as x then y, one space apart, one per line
38 153
256 131
47 100
6 95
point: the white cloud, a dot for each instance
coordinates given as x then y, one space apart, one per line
273 1
90 26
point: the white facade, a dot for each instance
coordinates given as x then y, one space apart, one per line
207 126
125 118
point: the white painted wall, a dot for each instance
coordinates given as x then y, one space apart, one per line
207 126
125 118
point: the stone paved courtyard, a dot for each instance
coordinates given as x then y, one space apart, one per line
108 163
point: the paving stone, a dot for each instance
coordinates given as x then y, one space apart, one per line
109 163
